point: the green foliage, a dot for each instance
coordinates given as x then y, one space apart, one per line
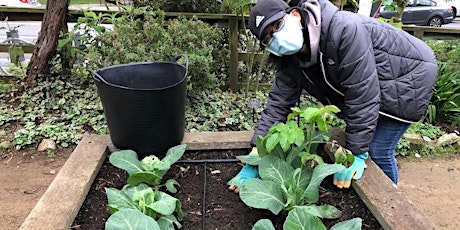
190 6
141 36
403 148
70 108
150 170
137 204
445 102
426 130
291 172
222 110
446 50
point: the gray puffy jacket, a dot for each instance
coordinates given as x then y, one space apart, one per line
365 67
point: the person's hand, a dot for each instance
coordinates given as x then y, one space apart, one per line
246 173
343 178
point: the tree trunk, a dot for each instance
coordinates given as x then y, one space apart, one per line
401 4
54 21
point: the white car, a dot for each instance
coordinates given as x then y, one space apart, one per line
20 3
455 4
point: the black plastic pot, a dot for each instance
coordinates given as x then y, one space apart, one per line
144 104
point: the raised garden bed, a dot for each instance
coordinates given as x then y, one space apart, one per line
207 204
62 201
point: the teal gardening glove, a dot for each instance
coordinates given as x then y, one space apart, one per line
247 172
343 178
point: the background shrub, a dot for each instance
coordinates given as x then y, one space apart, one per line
152 38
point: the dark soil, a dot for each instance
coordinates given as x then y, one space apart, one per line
206 201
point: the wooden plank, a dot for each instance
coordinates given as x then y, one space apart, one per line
218 140
383 198
61 202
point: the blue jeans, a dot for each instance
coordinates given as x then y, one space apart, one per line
382 148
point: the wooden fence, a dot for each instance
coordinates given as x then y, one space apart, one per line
230 21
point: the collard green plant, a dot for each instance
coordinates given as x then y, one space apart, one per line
291 172
146 204
151 169
161 208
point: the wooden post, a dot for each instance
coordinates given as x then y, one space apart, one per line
233 47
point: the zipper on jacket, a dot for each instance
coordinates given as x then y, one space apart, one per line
324 75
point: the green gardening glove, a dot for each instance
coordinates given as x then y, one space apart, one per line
343 178
247 172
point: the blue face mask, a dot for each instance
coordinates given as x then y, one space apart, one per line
288 40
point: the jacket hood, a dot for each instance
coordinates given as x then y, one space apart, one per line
313 24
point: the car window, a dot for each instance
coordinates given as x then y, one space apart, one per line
425 3
410 3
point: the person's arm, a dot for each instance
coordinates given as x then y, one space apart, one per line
283 95
359 80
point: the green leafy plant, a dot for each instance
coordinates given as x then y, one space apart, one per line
151 169
445 102
342 155
141 204
291 172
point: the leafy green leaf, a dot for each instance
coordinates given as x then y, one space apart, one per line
144 198
249 159
263 224
274 169
174 154
130 190
171 185
272 141
168 222
300 177
299 218
323 211
263 194
319 173
353 224
130 219
126 160
144 177
117 200
164 203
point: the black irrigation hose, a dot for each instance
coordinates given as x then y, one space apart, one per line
203 210
205 162
208 161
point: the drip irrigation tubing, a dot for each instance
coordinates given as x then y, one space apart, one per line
205 163
203 208
208 161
